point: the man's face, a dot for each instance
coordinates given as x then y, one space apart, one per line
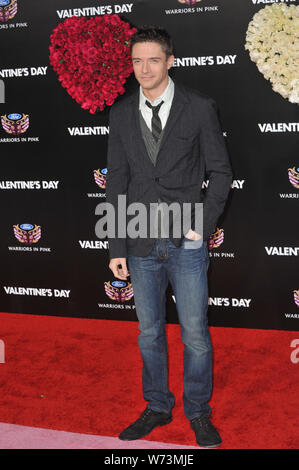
150 64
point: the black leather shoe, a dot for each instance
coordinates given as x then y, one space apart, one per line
148 420
206 434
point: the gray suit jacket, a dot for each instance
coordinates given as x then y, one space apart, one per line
192 149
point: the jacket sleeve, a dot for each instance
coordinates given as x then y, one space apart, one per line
217 167
118 174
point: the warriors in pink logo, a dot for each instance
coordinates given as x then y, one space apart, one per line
296 297
189 2
8 9
100 177
293 174
216 239
119 290
27 233
15 123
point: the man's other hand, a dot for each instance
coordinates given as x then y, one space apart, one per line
119 268
193 235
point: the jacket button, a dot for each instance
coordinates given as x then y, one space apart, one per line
157 179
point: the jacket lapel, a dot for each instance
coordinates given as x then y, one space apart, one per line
178 103
137 133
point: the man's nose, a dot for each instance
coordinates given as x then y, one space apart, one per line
145 67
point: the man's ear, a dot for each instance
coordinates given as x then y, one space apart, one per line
170 61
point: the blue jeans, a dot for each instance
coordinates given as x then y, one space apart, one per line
186 270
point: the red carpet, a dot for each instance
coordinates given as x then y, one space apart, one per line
83 375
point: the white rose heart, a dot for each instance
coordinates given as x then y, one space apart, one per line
272 39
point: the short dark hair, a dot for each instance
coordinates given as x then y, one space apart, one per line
149 33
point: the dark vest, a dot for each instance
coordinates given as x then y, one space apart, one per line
152 148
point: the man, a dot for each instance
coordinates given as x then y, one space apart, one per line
163 141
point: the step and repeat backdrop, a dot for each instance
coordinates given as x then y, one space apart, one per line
242 53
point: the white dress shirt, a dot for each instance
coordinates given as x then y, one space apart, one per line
167 97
